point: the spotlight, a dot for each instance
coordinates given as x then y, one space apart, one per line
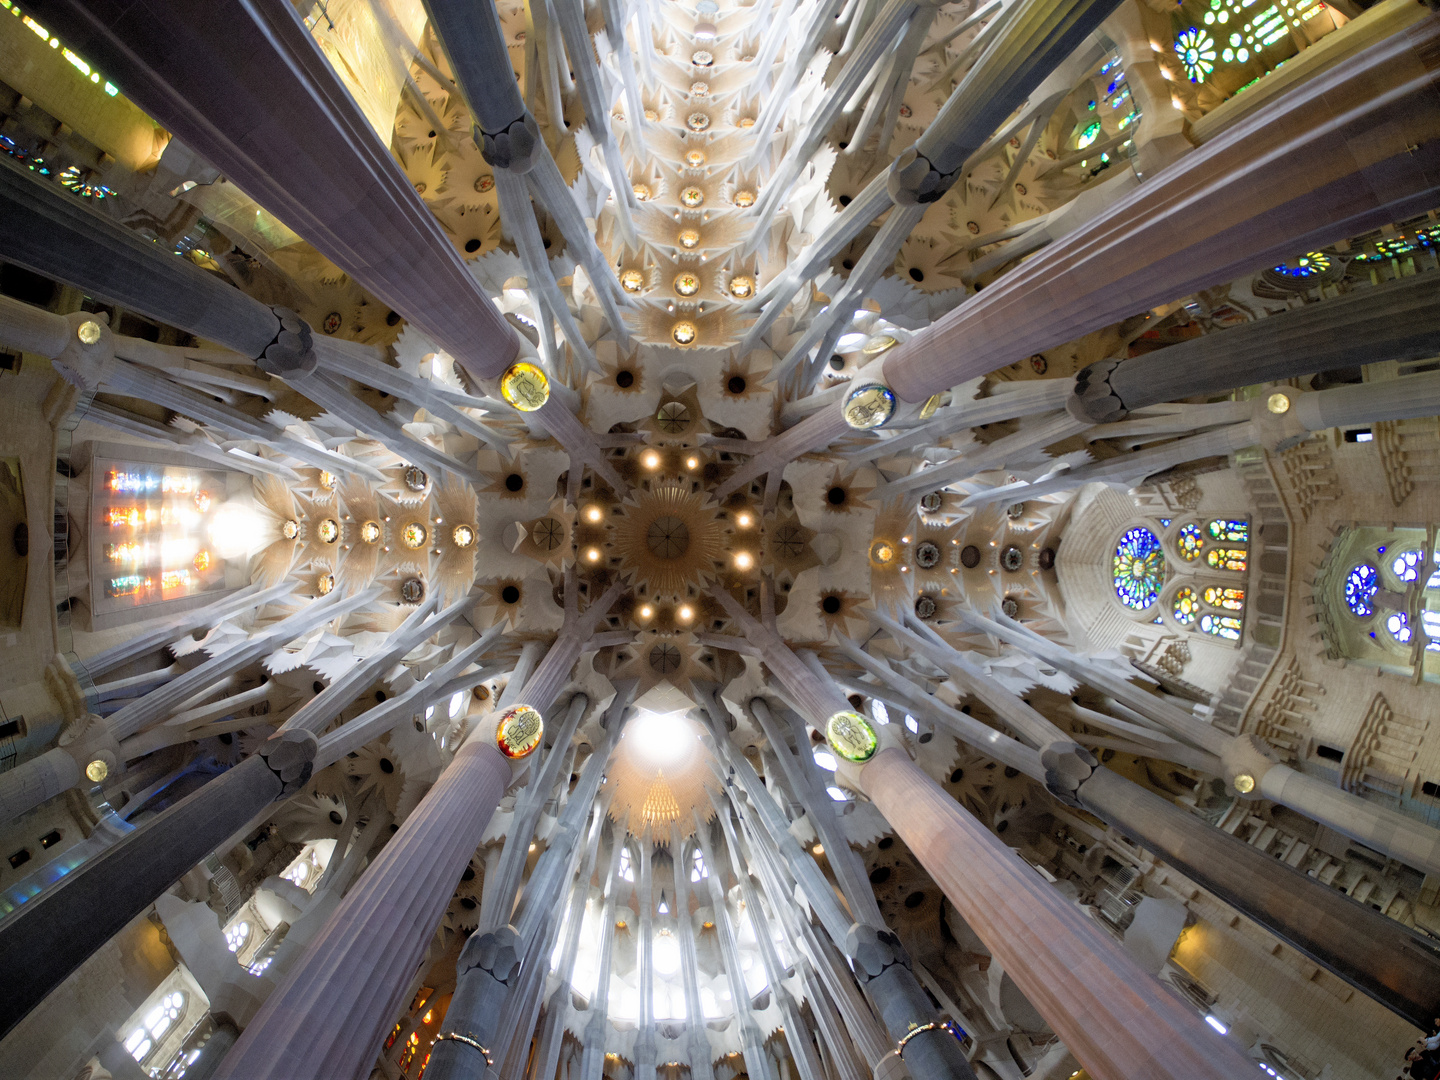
818 849
593 554
650 459
743 520
594 514
686 613
692 462
744 560
646 611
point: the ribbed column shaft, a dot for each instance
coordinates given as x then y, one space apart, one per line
327 1017
1399 320
57 931
245 86
46 229
1358 148
1113 1015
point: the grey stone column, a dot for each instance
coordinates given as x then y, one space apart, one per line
246 87
1114 1017
46 229
1379 956
327 1017
1355 151
696 1041
645 897
1399 320
53 935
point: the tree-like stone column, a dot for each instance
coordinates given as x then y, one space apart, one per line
246 87
327 1017
1114 1016
1355 148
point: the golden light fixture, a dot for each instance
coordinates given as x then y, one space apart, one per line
1278 404
694 158
692 462
699 89
525 386
818 849
413 535
324 583
744 560
88 332
742 287
697 121
651 115
327 480
743 520
1244 783
692 197
632 281
642 192
685 613
592 554
650 459
687 284
747 122
646 611
97 770
743 198
878 344
370 532
594 513
463 535
683 333
328 531
519 731
882 553
688 238
290 530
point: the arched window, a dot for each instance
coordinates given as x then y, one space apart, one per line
1189 542
879 712
698 870
1360 587
237 935
1232 531
1139 568
1223 626
626 868
1227 598
157 1022
1226 558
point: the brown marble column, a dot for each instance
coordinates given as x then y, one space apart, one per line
246 87
1114 1016
326 1019
1355 148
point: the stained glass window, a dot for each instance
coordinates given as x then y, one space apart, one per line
1360 586
1185 606
1139 568
1398 623
1229 599
1089 135
1190 541
1399 626
1237 532
1226 558
1196 50
1225 626
1406 565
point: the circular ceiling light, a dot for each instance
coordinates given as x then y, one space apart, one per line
684 333
463 535
324 583
742 287
689 238
701 58
697 121
413 535
692 197
694 158
328 531
663 741
370 532
519 731
744 198
632 281
687 284
642 192
525 386
291 529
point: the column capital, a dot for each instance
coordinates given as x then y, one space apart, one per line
513 146
914 181
292 350
290 755
1067 766
1094 400
874 951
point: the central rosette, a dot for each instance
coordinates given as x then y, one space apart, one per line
670 538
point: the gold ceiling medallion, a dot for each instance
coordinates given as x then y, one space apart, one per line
525 386
869 406
519 731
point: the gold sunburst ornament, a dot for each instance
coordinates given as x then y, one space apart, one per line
519 731
525 386
851 736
